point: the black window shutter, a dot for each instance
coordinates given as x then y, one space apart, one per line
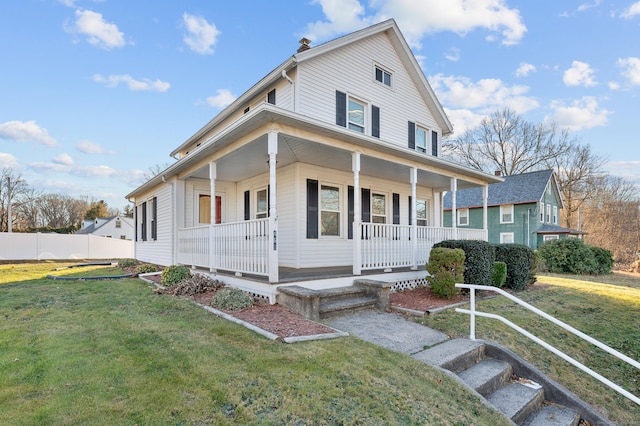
341 109
396 209
366 205
143 228
375 121
434 143
271 97
312 208
154 219
412 135
410 210
350 210
247 204
135 224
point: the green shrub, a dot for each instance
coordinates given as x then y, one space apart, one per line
572 256
174 274
146 268
446 268
499 274
479 258
231 299
126 263
520 260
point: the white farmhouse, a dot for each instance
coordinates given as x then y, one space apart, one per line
327 169
120 227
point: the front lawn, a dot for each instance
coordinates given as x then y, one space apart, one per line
606 308
113 352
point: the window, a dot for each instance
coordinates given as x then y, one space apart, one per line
555 215
123 237
118 223
143 223
154 218
329 210
271 97
355 115
383 76
421 139
550 237
548 218
506 238
463 217
421 213
261 204
378 208
506 214
542 212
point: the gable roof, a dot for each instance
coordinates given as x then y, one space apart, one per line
397 39
554 229
516 189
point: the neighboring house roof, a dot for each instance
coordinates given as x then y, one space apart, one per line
93 227
523 188
554 229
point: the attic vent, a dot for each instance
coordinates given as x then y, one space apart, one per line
304 44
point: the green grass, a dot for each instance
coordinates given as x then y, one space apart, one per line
113 352
605 307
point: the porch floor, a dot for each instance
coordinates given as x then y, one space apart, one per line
292 275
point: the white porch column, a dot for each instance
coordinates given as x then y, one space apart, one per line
357 215
485 220
454 212
414 220
213 256
272 138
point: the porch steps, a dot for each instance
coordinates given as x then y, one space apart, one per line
516 389
334 302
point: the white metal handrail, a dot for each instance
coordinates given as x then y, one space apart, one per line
472 334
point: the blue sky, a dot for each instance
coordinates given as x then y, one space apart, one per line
93 93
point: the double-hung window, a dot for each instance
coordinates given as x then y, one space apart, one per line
262 204
421 213
506 238
421 139
506 213
542 212
548 218
378 208
463 217
329 210
555 215
356 115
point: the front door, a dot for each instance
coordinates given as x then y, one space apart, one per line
204 209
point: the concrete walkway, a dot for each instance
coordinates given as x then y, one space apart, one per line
388 330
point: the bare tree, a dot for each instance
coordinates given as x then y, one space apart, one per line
156 170
505 142
579 173
27 210
12 186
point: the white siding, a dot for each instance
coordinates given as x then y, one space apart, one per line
109 228
351 70
159 251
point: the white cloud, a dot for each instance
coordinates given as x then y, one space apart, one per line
201 36
26 131
625 169
417 18
63 159
8 161
453 54
630 69
524 69
587 6
135 85
73 169
614 85
98 32
632 11
463 120
223 98
580 74
89 147
583 113
486 95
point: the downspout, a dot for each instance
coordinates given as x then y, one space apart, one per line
293 97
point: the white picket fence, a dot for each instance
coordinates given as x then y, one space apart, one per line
20 246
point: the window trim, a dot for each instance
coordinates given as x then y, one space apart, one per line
548 215
425 219
259 214
507 234
541 212
550 237
459 215
427 132
383 71
365 117
386 207
321 234
555 215
503 212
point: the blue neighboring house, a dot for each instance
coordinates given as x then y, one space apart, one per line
524 209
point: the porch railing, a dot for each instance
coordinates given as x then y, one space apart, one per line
238 247
473 313
390 246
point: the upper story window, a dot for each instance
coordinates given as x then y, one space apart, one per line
548 218
421 139
555 215
383 76
542 212
463 217
356 115
118 223
506 214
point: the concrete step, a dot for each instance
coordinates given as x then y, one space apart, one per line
338 293
343 306
553 415
517 401
487 375
453 355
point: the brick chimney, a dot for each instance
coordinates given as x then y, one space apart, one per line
304 44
